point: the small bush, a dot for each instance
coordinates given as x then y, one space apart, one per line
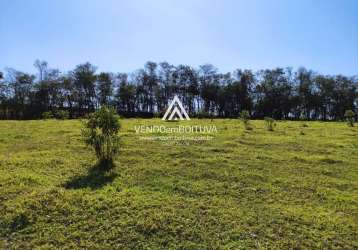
349 115
270 123
101 133
47 115
203 115
245 118
62 114
303 117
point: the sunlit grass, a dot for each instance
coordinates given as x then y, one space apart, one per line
294 187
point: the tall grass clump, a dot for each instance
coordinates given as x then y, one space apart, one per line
270 123
245 118
349 115
101 133
47 115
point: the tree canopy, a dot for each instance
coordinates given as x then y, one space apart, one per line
280 93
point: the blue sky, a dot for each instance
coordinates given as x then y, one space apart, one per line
121 35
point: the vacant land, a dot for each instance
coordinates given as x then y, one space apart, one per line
295 187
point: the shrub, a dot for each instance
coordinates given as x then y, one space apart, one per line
303 117
349 115
47 115
101 133
270 123
62 114
245 116
203 115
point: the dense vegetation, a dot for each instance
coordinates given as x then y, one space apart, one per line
278 93
101 133
292 188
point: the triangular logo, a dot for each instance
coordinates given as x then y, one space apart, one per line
176 110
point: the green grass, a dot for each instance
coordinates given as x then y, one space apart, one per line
295 187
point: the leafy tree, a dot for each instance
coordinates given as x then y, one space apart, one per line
126 95
188 86
101 133
279 93
274 94
343 97
209 86
104 88
167 76
243 90
47 94
325 86
21 90
307 99
149 81
3 97
84 79
42 68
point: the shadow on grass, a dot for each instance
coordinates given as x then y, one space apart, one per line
98 176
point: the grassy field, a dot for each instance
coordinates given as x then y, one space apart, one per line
295 187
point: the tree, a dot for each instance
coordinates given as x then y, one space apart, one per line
243 89
167 77
21 91
42 68
274 94
126 95
280 93
307 99
3 97
149 82
101 133
48 88
208 79
188 87
343 96
104 88
84 79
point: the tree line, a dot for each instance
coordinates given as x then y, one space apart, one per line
280 93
